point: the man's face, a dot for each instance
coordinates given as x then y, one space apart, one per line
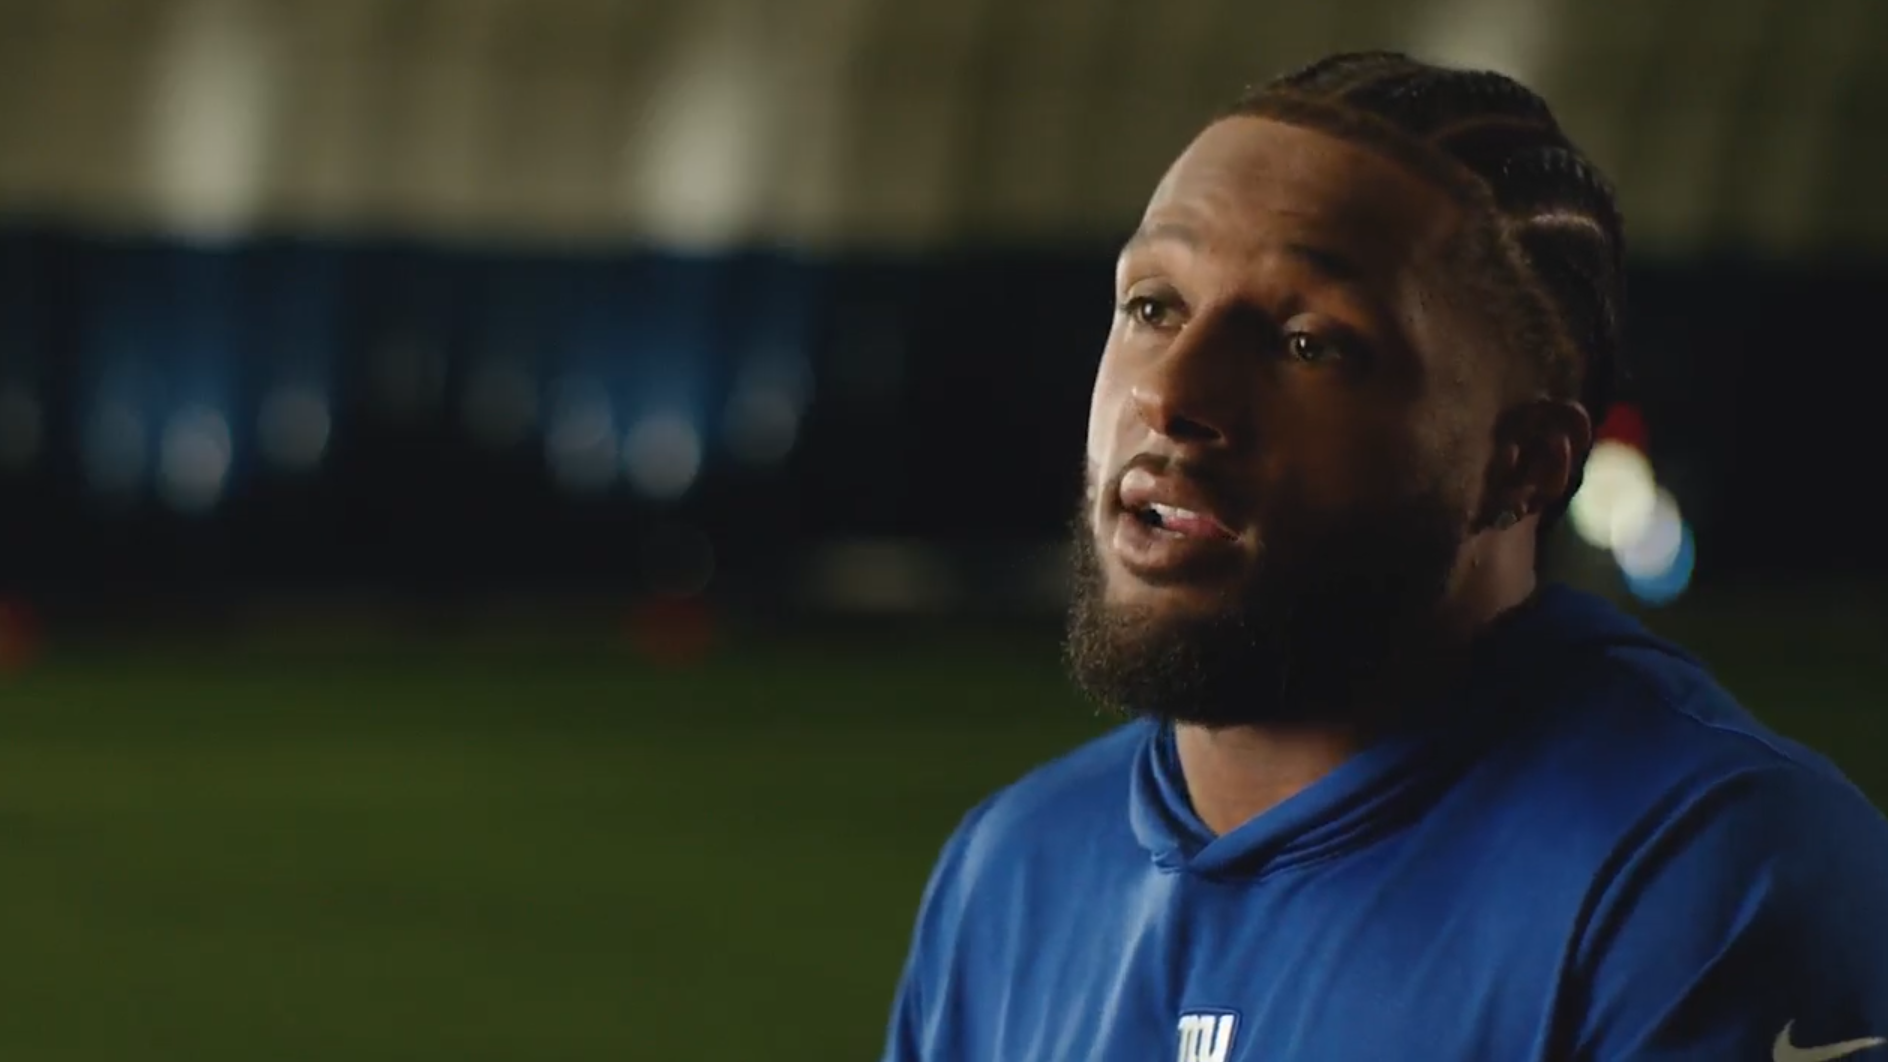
1288 435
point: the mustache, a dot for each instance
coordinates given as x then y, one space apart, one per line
1213 480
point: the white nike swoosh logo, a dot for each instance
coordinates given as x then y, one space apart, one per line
1785 1051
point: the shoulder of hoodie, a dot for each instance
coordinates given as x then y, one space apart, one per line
1637 725
1652 702
1081 795
1641 732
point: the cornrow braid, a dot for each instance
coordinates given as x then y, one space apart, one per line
1341 68
1558 239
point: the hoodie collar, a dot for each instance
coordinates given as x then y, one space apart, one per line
1395 780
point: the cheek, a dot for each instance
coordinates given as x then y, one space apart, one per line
1339 456
1105 409
1435 462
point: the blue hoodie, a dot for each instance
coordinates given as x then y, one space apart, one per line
1599 855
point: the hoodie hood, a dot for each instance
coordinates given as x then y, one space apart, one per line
1517 664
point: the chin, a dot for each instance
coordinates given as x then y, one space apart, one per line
1181 650
1177 602
1236 631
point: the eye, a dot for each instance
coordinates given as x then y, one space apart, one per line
1150 311
1310 349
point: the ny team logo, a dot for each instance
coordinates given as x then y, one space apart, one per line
1206 1036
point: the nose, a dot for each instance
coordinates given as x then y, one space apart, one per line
1187 392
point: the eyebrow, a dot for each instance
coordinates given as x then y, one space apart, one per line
1333 265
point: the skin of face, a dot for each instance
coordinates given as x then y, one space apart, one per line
1303 418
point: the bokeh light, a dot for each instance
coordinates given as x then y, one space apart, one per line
20 638
1664 584
1656 546
580 443
662 456
1622 509
672 631
194 459
293 426
1616 498
763 423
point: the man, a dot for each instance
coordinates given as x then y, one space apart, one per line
1386 797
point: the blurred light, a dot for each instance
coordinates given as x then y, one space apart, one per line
1512 37
662 456
762 424
293 427
672 631
500 403
19 636
114 448
1656 547
211 118
1616 497
877 576
580 444
194 458
1625 424
1661 586
678 561
22 427
696 178
762 419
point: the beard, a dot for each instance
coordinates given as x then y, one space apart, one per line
1314 626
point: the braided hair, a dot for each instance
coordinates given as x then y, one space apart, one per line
1553 246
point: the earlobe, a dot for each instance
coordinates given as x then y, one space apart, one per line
1502 490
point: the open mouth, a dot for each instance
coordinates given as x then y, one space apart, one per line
1170 531
1180 522
1170 545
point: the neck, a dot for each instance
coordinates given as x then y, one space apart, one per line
1235 774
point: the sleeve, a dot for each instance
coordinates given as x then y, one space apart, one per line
917 1028
1751 924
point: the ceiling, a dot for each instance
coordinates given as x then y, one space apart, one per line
1759 124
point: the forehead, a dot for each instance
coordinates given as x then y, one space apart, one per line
1250 186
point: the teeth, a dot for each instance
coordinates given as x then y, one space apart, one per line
1168 513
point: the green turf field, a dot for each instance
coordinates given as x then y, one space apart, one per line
519 857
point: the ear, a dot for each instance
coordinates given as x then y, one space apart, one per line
1539 447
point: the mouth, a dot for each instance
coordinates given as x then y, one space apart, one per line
1180 522
1168 531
